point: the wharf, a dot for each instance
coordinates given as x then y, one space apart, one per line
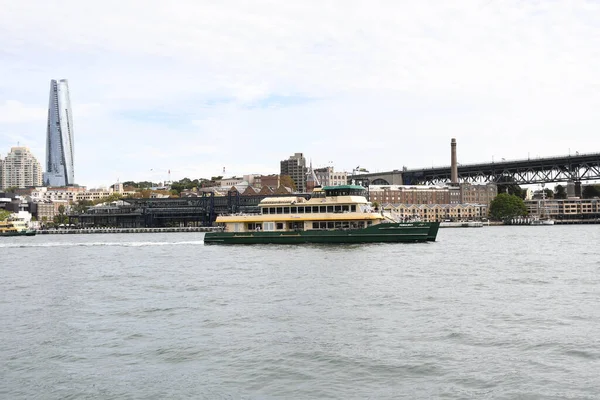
125 230
576 221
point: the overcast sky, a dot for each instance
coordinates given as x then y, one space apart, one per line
195 86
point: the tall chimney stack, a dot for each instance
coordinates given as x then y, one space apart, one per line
453 163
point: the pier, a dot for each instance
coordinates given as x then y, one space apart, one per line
125 230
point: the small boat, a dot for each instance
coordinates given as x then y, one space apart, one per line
544 217
334 214
13 228
541 221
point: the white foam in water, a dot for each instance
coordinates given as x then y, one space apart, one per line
93 244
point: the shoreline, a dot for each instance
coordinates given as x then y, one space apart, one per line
124 230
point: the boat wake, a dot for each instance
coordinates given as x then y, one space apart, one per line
100 244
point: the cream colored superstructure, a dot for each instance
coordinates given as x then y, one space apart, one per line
298 214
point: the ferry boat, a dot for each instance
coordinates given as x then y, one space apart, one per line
334 214
15 228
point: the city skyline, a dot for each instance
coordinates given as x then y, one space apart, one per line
201 86
60 152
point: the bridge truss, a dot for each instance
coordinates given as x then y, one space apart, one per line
576 168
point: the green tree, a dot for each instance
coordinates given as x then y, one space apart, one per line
61 209
82 206
109 199
590 191
130 184
506 184
560 192
507 206
61 219
287 181
4 215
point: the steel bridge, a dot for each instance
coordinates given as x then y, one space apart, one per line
576 168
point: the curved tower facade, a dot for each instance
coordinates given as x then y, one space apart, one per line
59 137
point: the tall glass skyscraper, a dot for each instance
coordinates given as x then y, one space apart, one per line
59 137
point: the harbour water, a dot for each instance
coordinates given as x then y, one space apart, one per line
494 312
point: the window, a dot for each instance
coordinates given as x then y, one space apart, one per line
279 225
323 209
329 209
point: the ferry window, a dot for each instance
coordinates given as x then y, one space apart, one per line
330 209
345 224
280 225
330 225
345 208
353 208
323 209
338 208
323 224
272 210
300 210
294 210
315 225
268 226
369 223
286 210
338 225
279 210
315 209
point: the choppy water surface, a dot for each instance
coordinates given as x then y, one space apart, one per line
493 312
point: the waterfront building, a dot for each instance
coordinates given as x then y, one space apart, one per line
44 211
60 163
416 194
229 182
423 194
270 181
328 177
20 169
565 209
74 194
437 212
478 193
295 167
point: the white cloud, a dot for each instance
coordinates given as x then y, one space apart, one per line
198 84
14 112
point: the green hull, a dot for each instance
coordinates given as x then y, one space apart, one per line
380 233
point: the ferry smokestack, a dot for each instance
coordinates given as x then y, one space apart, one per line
453 163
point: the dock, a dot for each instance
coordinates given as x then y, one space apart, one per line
125 230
